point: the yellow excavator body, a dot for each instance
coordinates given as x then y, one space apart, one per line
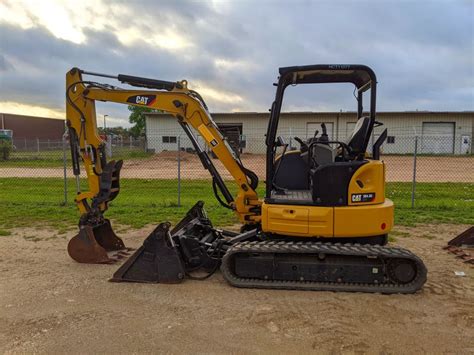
368 212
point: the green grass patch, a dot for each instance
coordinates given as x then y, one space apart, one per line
32 201
38 201
4 233
434 202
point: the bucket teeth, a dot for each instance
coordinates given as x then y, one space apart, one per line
462 245
106 237
91 244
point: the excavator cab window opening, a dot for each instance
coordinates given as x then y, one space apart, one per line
361 76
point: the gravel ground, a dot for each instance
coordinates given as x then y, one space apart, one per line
50 304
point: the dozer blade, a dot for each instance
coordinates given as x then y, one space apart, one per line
91 244
156 261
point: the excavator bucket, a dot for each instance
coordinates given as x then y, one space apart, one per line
159 260
91 244
156 261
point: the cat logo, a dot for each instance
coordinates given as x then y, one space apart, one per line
358 198
146 100
142 100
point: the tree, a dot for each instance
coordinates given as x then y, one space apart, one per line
6 147
118 131
137 117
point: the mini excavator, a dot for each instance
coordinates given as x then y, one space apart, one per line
322 224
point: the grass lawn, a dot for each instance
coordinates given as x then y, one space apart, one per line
38 201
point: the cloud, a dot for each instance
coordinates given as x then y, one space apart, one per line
423 53
32 110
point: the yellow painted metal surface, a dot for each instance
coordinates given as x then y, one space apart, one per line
321 221
316 221
288 219
301 221
369 178
363 221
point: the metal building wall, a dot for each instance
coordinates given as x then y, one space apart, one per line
29 127
403 126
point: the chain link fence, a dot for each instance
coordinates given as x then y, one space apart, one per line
165 168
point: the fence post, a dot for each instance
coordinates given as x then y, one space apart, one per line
413 188
179 171
108 145
65 168
37 145
291 140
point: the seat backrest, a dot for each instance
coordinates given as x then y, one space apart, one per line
358 140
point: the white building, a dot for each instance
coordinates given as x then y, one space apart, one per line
436 132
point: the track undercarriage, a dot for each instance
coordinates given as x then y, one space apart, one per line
194 248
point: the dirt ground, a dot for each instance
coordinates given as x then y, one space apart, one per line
50 304
164 166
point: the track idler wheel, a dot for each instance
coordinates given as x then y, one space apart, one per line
91 244
401 271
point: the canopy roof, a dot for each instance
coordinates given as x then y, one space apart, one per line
359 75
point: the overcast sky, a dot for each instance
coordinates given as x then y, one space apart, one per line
230 51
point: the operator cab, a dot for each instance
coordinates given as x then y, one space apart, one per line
319 172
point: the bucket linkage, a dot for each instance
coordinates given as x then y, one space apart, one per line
96 238
193 249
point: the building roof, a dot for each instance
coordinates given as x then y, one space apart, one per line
239 113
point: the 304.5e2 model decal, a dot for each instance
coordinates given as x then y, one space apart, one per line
146 100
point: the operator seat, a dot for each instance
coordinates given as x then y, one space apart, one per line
329 183
359 138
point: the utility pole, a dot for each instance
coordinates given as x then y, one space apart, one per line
105 127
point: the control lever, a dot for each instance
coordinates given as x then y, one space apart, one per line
303 145
324 136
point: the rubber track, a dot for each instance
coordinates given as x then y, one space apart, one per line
326 248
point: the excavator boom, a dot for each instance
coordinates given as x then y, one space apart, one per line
96 236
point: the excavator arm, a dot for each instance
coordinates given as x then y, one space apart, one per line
190 110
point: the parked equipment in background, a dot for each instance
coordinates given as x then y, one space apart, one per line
322 227
463 246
